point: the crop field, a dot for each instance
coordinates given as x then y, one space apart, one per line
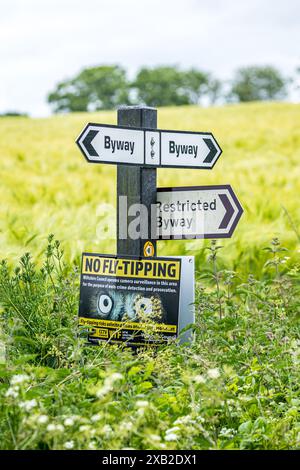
236 386
48 187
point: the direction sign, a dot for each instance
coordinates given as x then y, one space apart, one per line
102 143
197 212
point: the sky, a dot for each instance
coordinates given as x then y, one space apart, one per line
45 41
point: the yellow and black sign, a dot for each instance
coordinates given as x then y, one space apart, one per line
125 267
128 299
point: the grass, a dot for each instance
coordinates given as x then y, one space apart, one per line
236 386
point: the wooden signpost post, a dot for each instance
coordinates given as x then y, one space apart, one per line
137 183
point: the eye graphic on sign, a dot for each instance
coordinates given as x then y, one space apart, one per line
105 304
148 249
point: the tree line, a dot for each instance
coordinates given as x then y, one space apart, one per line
108 86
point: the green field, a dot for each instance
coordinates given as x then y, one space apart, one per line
48 187
237 384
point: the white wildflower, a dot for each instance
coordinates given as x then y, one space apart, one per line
42 419
69 445
154 437
108 384
116 376
142 403
84 428
183 420
199 379
12 392
172 430
107 429
18 379
126 426
69 422
55 427
213 373
95 418
171 437
28 404
51 427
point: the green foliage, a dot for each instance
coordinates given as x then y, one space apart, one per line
235 387
39 308
165 86
106 87
95 88
258 84
160 86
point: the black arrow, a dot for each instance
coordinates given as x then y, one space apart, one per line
87 143
212 151
229 210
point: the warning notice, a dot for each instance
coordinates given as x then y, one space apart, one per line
129 300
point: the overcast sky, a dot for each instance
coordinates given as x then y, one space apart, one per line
45 41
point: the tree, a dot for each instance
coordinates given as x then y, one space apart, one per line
161 86
195 84
95 88
258 84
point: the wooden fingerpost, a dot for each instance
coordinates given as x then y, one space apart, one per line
138 184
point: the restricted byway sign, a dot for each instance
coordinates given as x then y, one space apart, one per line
197 212
102 143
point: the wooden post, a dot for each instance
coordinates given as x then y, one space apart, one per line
137 183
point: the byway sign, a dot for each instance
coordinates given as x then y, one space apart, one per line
101 143
197 212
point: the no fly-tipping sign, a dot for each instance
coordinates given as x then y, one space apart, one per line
197 212
102 143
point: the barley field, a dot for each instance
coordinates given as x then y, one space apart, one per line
48 187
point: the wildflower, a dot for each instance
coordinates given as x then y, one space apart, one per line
28 404
12 392
84 428
183 420
51 427
199 379
171 430
69 444
107 429
42 419
171 437
227 432
95 418
142 403
213 373
116 376
154 437
18 379
69 422
126 426
55 427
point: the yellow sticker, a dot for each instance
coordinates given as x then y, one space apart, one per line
149 249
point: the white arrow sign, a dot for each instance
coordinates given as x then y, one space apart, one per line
197 212
101 143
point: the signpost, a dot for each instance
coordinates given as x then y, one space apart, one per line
138 148
197 212
102 143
